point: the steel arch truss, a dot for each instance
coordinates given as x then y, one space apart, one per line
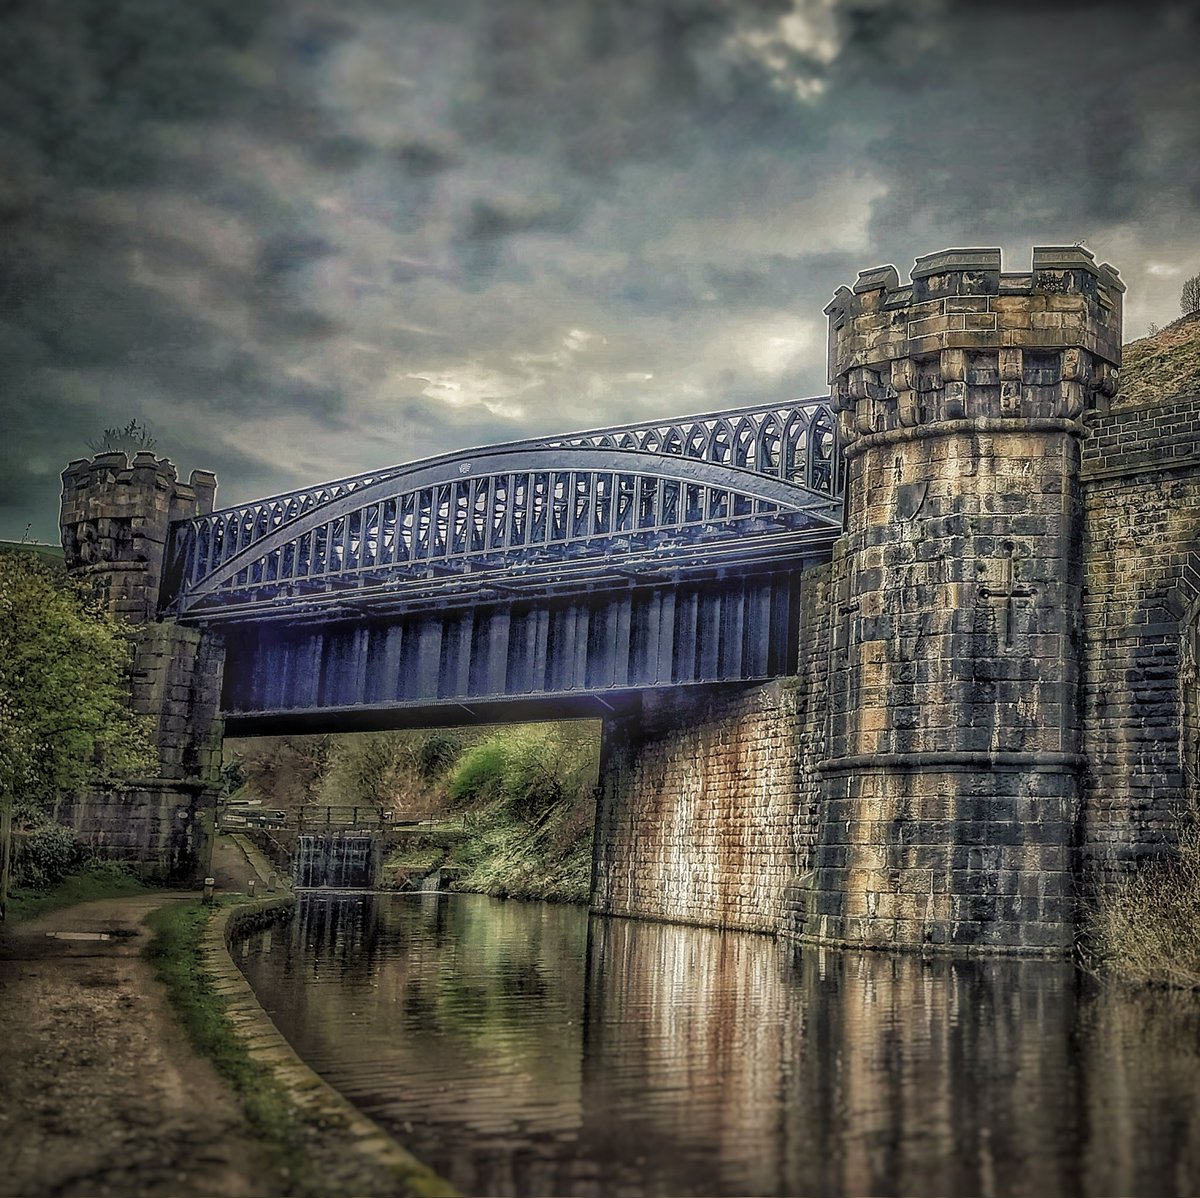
563 514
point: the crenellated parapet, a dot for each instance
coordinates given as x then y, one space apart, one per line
115 521
966 341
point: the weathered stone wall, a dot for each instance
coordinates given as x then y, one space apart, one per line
1142 605
115 523
708 801
115 526
951 784
162 833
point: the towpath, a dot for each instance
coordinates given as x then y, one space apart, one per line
100 1091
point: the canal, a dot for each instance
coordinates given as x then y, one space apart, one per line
524 1048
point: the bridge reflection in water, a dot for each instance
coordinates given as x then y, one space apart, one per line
520 1049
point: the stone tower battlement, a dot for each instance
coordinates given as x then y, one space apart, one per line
116 518
115 524
952 781
965 341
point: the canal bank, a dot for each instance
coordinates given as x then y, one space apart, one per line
102 1092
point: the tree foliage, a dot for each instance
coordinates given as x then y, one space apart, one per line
282 771
395 773
389 773
64 703
1189 297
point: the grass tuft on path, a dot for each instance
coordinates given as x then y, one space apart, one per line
176 954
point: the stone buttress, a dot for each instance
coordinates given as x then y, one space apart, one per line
115 523
951 787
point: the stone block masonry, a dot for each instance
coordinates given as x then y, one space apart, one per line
115 522
997 708
951 784
1141 477
708 801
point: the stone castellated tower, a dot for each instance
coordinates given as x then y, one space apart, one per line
115 523
952 788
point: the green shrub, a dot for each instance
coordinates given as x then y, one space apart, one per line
531 793
478 774
44 855
437 752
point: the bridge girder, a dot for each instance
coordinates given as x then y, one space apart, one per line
565 515
549 658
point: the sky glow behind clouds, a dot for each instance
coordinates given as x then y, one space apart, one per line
304 239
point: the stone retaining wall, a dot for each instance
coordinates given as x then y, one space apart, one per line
1142 608
708 803
369 1160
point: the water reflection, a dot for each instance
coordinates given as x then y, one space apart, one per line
521 1051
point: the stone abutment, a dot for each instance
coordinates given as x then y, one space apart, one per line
115 524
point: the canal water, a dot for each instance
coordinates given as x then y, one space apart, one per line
523 1048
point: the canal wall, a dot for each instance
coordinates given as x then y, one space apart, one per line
996 710
708 804
347 1148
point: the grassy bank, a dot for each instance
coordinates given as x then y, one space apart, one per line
1147 931
520 811
175 952
507 811
101 880
489 851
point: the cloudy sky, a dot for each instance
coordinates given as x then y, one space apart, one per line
303 238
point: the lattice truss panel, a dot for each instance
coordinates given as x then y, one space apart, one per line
556 513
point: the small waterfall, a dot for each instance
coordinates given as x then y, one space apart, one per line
336 860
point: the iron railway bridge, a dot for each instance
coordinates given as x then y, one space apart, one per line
553 576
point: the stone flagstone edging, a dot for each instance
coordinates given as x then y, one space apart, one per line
316 1103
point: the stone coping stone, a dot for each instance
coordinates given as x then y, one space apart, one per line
316 1102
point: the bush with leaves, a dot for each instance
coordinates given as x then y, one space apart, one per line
530 769
65 720
44 854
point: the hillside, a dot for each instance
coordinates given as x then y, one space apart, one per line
50 555
1161 366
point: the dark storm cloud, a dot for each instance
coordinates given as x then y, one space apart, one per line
306 238
1068 116
421 159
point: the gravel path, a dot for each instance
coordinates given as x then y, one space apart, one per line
100 1092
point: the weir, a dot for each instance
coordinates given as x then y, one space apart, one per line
336 861
910 665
